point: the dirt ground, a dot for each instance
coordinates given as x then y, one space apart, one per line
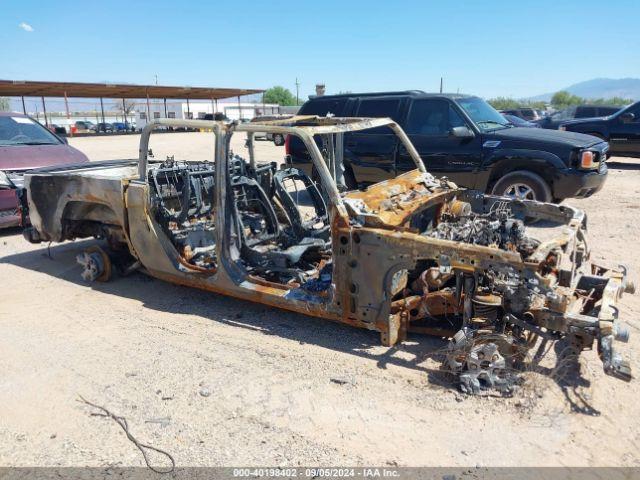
217 381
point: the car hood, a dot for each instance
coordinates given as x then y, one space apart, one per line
26 157
539 136
583 120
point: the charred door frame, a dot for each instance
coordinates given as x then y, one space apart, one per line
230 278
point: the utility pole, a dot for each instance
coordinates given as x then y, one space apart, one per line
156 75
297 92
440 84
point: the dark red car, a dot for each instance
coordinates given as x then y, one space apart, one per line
25 145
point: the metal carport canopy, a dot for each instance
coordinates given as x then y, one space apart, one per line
20 88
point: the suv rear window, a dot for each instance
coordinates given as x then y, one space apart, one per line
321 108
586 112
566 114
605 111
528 113
432 117
379 107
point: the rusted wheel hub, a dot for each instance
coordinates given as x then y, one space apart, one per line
96 265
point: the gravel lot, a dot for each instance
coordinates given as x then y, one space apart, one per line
217 381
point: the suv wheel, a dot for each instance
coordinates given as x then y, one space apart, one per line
278 139
523 185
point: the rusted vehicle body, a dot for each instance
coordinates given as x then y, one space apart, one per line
410 254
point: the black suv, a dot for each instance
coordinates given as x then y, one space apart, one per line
621 130
581 111
463 138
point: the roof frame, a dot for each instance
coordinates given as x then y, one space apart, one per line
18 88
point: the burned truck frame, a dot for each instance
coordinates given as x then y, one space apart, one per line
410 254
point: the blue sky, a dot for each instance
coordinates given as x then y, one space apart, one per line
489 48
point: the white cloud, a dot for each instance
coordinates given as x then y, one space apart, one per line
26 27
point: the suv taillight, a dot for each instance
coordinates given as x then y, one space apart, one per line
287 145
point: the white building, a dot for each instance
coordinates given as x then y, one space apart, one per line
197 109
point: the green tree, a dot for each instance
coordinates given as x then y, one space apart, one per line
279 95
611 101
565 99
504 103
5 105
540 105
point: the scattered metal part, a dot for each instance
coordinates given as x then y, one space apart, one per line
342 380
482 361
131 268
162 421
485 367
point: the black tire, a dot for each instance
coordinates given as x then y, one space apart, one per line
524 185
278 139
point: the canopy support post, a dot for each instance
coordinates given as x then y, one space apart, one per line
102 110
148 109
66 107
44 109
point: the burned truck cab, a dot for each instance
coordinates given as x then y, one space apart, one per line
410 255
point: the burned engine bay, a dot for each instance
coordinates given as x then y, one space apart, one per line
488 284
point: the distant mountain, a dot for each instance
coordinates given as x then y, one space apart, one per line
601 88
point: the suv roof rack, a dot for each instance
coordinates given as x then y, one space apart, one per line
394 93
371 94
